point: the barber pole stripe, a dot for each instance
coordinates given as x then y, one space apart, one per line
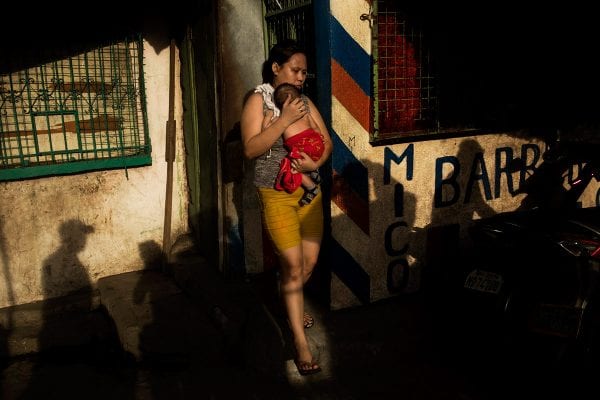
350 95
345 267
350 185
346 52
351 108
350 86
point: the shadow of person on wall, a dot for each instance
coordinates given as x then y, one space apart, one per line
69 326
460 196
63 274
176 341
145 291
463 190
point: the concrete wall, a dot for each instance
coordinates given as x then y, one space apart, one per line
60 234
241 48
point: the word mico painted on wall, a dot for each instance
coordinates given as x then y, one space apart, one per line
398 269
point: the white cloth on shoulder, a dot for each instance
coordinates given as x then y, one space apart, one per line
267 93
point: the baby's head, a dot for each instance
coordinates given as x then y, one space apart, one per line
282 92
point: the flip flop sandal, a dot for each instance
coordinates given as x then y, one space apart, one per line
308 320
307 368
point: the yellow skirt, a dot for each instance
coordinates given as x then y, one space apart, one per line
286 222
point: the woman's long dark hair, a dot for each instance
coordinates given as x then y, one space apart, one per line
280 53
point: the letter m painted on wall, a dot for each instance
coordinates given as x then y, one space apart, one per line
389 156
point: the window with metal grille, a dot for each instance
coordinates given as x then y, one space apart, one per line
80 113
293 19
440 72
404 95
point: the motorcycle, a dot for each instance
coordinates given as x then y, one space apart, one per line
533 279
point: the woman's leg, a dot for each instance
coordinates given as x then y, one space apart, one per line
290 228
310 255
292 285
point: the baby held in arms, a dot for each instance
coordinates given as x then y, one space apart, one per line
301 136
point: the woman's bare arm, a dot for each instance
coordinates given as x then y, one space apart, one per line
255 139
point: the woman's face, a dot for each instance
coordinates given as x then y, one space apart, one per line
293 71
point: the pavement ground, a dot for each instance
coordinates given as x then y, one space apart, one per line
376 352
190 334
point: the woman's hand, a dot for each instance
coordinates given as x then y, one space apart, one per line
293 110
304 164
258 131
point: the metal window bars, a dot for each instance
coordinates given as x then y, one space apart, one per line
79 113
293 19
404 95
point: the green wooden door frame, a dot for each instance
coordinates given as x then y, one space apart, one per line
198 54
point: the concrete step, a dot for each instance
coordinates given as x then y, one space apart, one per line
33 314
68 321
191 313
72 330
156 321
187 313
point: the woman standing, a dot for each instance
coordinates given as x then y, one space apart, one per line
295 231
